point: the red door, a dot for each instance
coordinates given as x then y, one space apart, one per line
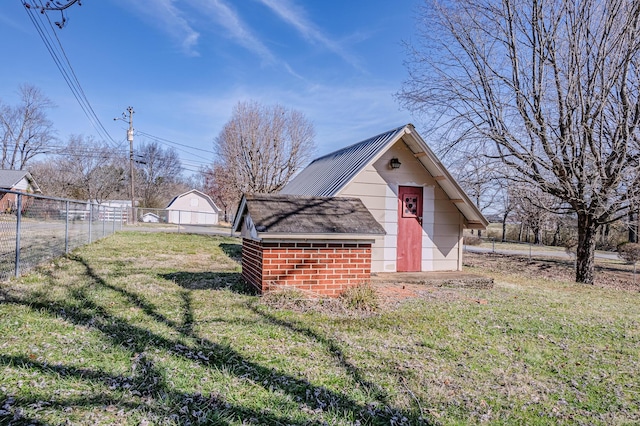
409 229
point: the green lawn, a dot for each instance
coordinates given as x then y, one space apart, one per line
146 328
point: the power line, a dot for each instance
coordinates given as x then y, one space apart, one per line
65 68
187 164
159 139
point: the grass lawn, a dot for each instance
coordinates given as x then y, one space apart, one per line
150 328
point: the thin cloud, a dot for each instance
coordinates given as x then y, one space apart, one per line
239 31
164 15
226 17
297 18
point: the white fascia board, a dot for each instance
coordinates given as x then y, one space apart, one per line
318 238
445 180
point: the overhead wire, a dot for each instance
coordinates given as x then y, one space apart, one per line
66 69
182 148
56 51
167 141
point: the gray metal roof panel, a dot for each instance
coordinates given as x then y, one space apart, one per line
326 175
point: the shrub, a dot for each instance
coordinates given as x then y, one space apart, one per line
362 297
471 240
629 252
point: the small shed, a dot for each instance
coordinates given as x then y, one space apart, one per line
316 244
407 190
15 180
193 208
150 218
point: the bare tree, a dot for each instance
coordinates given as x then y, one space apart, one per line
25 130
262 147
533 209
481 179
550 88
85 169
220 188
158 173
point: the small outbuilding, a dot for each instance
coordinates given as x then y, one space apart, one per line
316 244
407 190
193 208
150 218
18 181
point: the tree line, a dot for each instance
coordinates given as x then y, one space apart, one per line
258 150
83 167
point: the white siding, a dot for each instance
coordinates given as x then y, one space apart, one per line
377 187
22 185
191 208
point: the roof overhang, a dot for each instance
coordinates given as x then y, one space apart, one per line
474 219
318 238
239 217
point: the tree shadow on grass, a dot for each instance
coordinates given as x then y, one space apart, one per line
331 346
146 390
232 281
234 251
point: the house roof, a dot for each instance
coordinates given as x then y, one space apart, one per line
10 178
295 215
328 175
199 193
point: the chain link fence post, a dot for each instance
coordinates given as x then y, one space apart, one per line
18 230
90 221
66 228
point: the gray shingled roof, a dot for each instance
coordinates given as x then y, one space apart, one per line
9 178
325 176
293 214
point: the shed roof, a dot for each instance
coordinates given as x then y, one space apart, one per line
295 215
328 175
10 178
198 193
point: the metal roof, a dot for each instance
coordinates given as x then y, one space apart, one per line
328 175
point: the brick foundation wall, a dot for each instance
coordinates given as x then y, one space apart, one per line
327 269
252 262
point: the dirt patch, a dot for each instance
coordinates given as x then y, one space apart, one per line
608 275
391 294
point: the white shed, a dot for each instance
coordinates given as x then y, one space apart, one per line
193 208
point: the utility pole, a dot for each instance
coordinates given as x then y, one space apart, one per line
134 217
131 169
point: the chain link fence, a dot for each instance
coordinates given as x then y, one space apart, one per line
177 220
36 228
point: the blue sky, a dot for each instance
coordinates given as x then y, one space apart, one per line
183 65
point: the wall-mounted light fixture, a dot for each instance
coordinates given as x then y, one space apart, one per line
394 163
